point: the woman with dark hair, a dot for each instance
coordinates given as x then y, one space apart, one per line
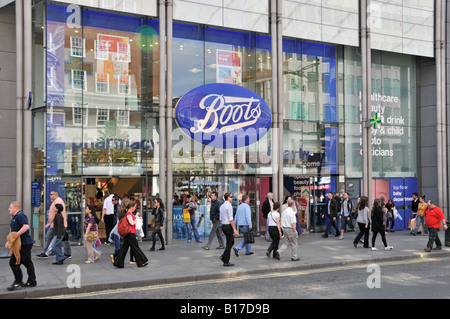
59 231
390 218
91 234
378 225
363 221
273 219
158 212
130 241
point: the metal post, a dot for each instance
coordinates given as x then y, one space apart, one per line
162 100
275 130
27 116
170 116
365 100
19 98
280 190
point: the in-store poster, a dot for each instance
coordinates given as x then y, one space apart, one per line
229 67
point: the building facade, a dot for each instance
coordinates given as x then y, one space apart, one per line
105 78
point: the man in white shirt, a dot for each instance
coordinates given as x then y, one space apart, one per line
228 228
108 214
288 222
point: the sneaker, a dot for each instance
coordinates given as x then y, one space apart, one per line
341 237
15 286
42 256
389 248
29 284
68 256
374 248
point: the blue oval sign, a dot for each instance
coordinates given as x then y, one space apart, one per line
223 115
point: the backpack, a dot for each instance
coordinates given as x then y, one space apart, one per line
123 227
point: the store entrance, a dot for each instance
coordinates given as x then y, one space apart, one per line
97 189
200 188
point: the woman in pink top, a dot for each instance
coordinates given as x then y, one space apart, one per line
130 241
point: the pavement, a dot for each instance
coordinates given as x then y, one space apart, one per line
186 262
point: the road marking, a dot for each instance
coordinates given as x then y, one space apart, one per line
239 278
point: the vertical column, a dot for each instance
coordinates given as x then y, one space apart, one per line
275 84
366 101
162 100
19 97
170 117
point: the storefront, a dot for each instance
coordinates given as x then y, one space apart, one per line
96 121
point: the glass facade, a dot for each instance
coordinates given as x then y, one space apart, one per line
96 122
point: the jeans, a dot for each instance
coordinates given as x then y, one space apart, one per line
242 244
433 237
420 220
57 248
215 229
50 242
193 225
391 221
332 223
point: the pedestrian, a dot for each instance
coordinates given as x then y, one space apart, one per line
378 225
49 240
191 226
59 231
114 235
214 215
346 215
363 221
266 208
130 241
330 214
415 204
19 224
275 231
288 222
243 219
420 217
91 234
158 212
228 228
108 214
433 219
390 218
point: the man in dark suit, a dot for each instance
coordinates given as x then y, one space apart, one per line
331 213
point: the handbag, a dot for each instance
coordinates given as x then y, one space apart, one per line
186 216
91 236
249 237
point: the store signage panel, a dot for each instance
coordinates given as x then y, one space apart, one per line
223 115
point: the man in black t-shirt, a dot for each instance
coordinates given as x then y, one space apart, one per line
19 224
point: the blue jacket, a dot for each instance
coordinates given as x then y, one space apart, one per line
243 215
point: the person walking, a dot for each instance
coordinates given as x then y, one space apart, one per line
420 218
363 221
243 219
191 226
108 214
214 215
158 212
228 228
330 214
49 240
346 215
433 219
19 224
288 222
378 225
59 231
275 232
130 242
91 234
390 218
266 208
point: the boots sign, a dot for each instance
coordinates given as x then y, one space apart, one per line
223 115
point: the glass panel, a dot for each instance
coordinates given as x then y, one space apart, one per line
393 103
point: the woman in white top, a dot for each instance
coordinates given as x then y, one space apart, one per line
273 220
